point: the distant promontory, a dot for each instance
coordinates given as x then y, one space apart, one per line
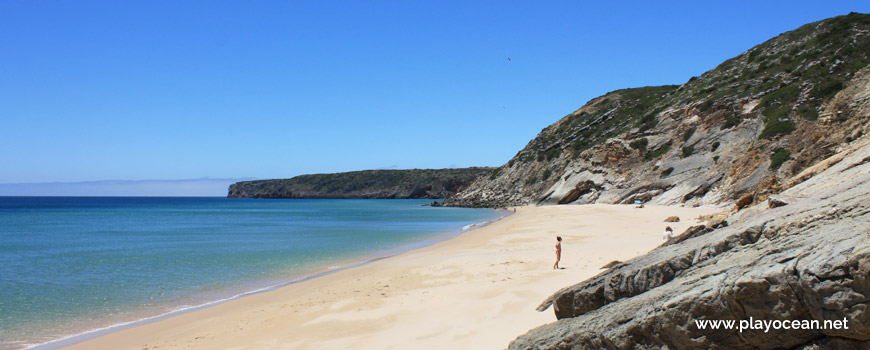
366 184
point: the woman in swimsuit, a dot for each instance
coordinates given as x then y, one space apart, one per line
558 252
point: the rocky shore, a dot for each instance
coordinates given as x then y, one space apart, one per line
791 161
808 259
780 135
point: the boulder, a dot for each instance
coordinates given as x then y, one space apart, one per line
744 201
775 203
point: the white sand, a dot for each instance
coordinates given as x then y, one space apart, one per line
477 291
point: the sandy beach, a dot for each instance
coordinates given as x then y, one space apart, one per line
476 291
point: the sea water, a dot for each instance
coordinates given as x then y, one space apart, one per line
69 265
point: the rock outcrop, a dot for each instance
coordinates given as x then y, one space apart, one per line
778 136
367 184
734 132
808 259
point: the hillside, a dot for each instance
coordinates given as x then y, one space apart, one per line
783 130
806 259
367 184
735 132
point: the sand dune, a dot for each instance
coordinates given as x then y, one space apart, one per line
477 291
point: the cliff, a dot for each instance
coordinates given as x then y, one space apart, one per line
806 260
367 184
735 132
792 145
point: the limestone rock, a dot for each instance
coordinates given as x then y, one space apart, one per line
775 202
744 201
708 141
808 260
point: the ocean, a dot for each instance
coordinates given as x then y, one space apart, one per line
74 265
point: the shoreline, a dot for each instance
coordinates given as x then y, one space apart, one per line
489 277
70 340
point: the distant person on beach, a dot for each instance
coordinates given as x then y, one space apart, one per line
558 252
669 233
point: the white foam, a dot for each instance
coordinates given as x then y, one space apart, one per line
93 333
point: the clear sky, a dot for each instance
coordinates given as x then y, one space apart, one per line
167 90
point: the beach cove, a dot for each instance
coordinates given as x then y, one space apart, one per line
478 290
75 267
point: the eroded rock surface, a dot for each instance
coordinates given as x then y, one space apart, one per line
808 260
731 134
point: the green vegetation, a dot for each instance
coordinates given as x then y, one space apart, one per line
777 127
546 175
779 156
827 89
703 107
611 116
667 171
780 97
553 153
414 183
777 106
812 61
658 151
688 134
715 159
532 179
730 122
639 144
688 150
647 122
579 146
808 112
495 173
793 75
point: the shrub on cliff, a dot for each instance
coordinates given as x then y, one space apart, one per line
639 144
688 150
658 151
779 156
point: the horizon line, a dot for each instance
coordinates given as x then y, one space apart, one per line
132 181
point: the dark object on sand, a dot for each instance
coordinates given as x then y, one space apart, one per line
673 219
775 203
612 264
744 201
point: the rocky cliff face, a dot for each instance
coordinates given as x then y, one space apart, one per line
806 260
367 184
734 132
801 252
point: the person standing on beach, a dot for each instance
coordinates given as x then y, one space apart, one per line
669 233
558 252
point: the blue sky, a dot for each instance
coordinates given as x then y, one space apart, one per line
167 90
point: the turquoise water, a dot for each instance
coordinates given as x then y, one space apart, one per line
73 264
